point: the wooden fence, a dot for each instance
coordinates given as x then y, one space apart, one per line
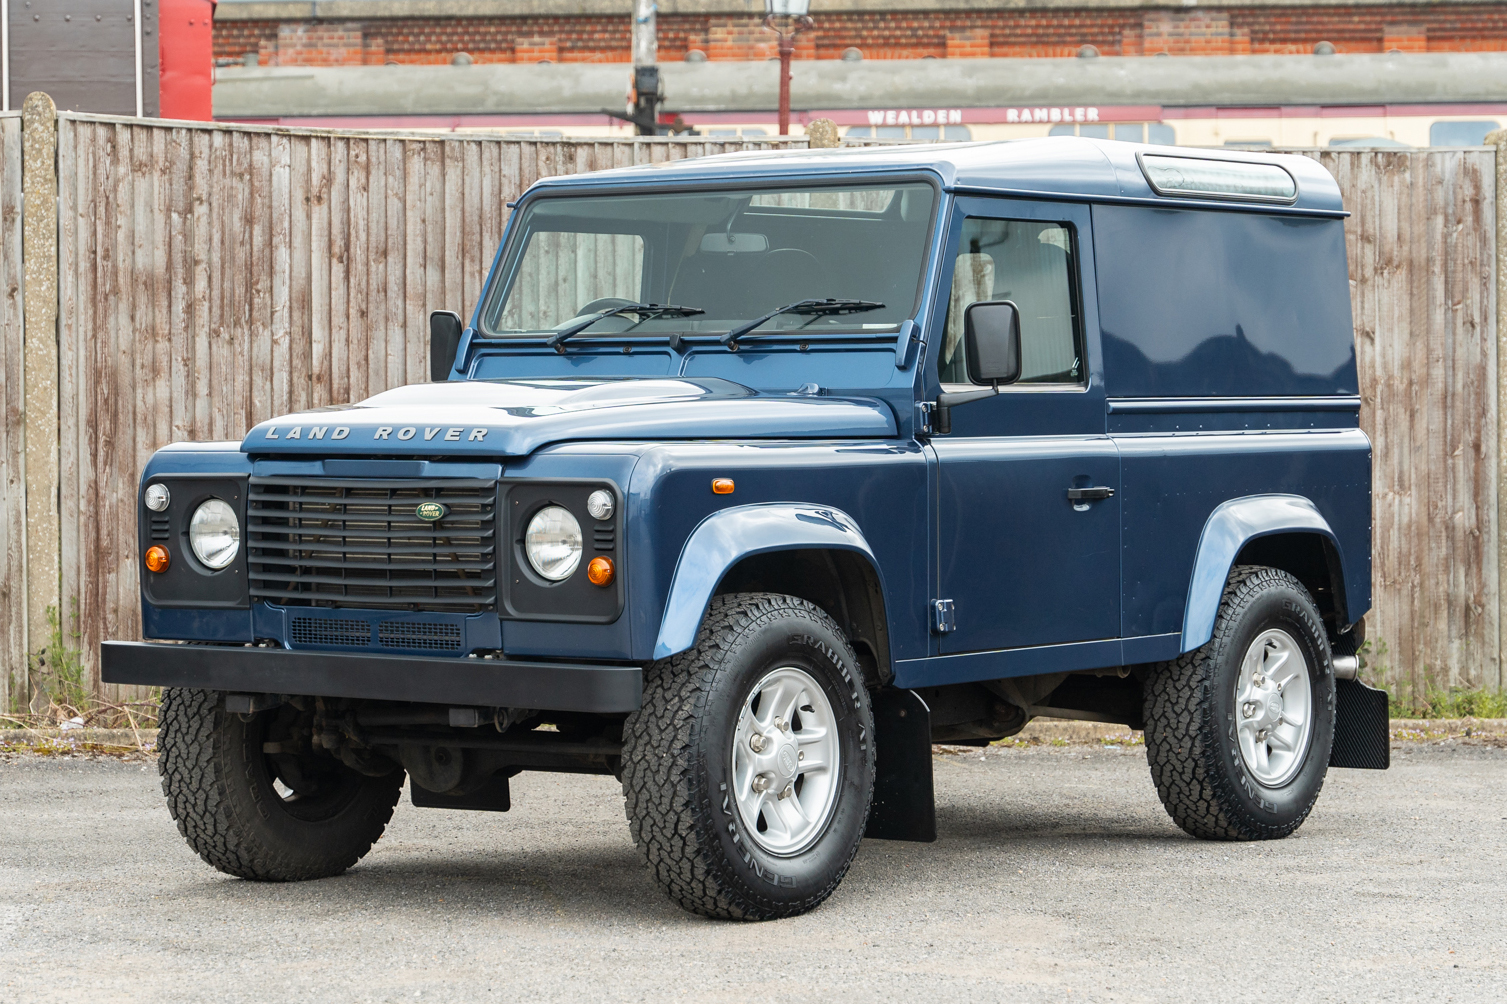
210 277
1422 247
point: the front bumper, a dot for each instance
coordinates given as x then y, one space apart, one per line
543 686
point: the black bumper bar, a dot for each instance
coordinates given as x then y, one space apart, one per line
543 686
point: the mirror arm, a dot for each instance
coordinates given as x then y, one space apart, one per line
941 422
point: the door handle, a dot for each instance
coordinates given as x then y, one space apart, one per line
1089 494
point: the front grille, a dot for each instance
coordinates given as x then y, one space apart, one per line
330 631
161 528
337 542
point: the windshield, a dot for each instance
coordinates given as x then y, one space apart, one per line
731 255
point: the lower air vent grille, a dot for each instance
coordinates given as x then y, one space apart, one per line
426 635
323 631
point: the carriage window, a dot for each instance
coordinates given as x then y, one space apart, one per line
1031 264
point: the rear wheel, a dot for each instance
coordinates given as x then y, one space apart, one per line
748 771
1238 732
278 817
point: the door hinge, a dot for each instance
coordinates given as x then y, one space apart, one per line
943 620
923 417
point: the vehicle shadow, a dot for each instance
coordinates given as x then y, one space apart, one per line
608 883
1007 824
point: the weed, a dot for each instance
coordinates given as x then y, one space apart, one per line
1455 702
57 670
1410 698
62 692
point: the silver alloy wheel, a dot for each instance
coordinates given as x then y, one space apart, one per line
785 762
1274 708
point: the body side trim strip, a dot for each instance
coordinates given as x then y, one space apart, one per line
1191 405
1000 664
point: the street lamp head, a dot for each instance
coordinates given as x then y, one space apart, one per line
787 8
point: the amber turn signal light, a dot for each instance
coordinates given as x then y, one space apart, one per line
156 558
722 486
599 571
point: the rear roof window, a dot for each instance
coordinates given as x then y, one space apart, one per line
1218 179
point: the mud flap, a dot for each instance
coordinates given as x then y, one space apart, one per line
903 807
1362 736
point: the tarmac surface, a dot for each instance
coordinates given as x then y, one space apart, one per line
1057 877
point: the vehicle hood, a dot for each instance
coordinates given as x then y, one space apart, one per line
516 417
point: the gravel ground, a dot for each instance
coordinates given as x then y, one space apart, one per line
1057 877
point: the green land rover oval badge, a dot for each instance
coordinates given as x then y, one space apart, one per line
431 511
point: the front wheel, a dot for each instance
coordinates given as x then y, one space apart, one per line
1238 732
274 818
748 771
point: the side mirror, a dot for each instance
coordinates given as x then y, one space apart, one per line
991 331
444 340
991 335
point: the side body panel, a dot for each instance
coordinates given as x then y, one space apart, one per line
1174 484
1230 369
878 489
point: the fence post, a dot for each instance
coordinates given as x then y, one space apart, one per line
1498 139
39 185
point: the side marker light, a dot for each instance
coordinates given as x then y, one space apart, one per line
156 558
599 571
722 486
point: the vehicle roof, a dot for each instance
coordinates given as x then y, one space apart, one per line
1067 167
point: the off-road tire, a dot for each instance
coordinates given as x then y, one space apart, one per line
677 746
1190 713
219 789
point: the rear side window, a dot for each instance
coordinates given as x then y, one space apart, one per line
1205 303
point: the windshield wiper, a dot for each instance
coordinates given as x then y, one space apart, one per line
648 310
814 307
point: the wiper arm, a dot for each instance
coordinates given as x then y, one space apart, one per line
557 340
813 307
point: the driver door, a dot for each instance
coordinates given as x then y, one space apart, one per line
1025 563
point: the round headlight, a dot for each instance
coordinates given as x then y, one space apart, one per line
214 534
157 497
553 543
600 504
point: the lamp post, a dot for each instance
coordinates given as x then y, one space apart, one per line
647 91
787 18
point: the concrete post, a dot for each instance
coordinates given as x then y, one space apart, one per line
39 241
1498 139
645 32
822 134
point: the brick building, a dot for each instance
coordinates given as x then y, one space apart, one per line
379 32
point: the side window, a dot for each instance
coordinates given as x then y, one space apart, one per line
1031 264
563 271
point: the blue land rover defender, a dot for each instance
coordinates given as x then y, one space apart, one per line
752 477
